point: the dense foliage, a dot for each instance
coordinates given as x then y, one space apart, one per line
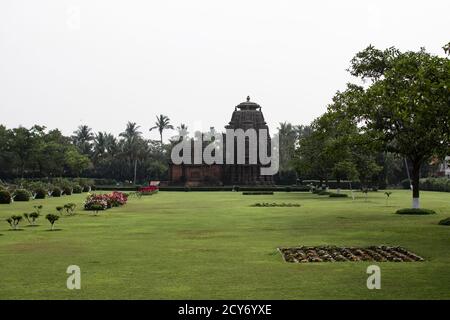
39 153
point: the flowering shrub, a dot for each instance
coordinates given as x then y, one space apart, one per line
105 201
148 190
118 198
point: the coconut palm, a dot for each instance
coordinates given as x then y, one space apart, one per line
182 129
162 123
82 138
132 143
99 144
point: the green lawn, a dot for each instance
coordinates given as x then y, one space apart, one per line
200 245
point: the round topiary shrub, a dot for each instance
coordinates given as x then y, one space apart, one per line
338 195
67 191
56 192
87 188
41 193
415 211
445 222
22 195
77 189
5 196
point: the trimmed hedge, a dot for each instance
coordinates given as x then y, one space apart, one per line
235 188
254 193
22 195
41 193
117 188
431 184
332 184
5 196
77 189
414 211
338 195
445 222
56 192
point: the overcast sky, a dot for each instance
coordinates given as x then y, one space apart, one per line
102 63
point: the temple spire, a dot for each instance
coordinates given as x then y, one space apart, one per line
248 98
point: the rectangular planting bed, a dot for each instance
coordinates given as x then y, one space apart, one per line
342 254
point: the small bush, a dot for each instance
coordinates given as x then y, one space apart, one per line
41 193
338 195
323 193
56 192
52 218
70 208
445 222
96 207
5 196
77 189
14 221
87 188
60 209
22 195
414 211
38 208
31 217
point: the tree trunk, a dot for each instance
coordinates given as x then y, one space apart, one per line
135 168
351 190
415 184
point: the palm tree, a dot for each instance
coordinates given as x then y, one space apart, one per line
111 144
132 142
99 144
182 128
82 138
162 123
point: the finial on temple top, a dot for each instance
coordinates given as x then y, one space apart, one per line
248 98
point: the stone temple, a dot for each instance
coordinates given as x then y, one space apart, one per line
246 115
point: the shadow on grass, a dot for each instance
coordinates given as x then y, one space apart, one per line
32 225
15 230
50 230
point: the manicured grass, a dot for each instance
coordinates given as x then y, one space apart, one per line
212 245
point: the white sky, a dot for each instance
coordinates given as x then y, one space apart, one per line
65 63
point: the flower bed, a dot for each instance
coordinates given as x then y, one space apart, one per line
105 201
149 190
274 204
334 254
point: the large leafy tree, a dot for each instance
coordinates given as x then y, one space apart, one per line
406 106
288 138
